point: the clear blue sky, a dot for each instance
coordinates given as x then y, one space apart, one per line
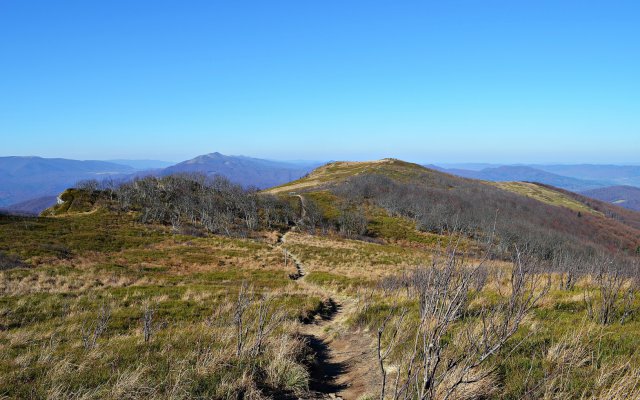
433 81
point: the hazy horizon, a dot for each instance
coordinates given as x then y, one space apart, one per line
442 163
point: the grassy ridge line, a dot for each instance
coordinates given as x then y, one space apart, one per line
341 170
545 195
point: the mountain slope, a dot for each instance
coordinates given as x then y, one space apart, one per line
439 202
546 194
245 171
26 178
623 196
340 171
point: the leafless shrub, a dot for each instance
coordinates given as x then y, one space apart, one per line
352 222
480 277
266 322
434 367
148 315
365 299
614 292
91 331
628 301
254 319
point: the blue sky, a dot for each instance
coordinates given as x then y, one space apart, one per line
433 81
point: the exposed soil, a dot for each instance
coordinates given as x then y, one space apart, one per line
345 364
345 360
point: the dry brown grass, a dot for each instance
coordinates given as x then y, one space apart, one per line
545 195
333 172
352 258
618 382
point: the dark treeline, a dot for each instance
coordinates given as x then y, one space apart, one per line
480 210
193 202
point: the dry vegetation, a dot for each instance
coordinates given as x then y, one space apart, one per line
545 195
154 319
539 359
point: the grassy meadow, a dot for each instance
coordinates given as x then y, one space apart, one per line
72 321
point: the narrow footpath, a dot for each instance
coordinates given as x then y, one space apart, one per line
345 361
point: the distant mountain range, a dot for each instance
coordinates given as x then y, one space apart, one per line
30 184
142 165
32 206
508 173
609 174
623 196
617 184
243 170
25 178
598 174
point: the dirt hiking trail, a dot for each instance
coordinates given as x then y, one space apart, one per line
345 360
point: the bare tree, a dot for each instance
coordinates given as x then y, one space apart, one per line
90 185
147 322
91 331
243 302
568 266
266 321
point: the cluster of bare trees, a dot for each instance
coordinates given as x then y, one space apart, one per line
219 206
611 294
610 283
214 204
476 209
350 221
441 348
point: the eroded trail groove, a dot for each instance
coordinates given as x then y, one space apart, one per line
345 361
